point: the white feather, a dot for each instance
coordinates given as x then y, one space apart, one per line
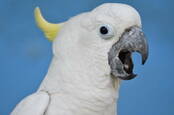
78 80
35 104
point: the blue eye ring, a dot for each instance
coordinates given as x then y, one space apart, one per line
106 31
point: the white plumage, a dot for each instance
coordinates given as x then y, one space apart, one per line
78 81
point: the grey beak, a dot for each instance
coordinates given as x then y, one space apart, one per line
119 56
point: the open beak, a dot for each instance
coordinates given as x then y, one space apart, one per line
120 55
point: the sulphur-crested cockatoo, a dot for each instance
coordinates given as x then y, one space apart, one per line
91 53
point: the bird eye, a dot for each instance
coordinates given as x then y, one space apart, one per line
106 31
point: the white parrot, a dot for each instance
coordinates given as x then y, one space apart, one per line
91 53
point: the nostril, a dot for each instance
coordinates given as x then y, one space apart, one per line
128 30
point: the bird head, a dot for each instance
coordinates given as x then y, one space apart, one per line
102 40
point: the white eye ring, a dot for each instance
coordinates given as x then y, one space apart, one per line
106 31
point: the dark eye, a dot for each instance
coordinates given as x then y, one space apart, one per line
103 30
106 31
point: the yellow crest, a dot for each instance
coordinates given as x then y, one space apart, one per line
50 30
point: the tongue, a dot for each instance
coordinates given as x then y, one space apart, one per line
128 64
125 57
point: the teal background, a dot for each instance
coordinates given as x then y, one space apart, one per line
25 54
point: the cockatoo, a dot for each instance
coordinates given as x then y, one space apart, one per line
91 54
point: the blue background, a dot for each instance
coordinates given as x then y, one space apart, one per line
25 54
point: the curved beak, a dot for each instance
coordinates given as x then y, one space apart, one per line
120 55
